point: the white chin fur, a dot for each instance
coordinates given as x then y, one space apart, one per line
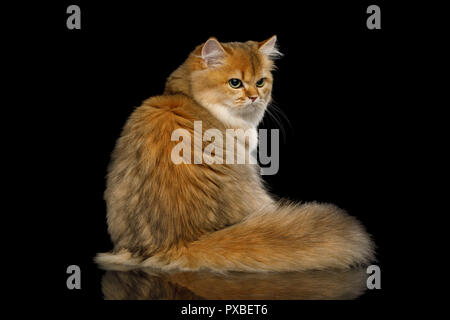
243 117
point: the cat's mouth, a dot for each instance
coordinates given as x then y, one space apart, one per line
250 108
255 105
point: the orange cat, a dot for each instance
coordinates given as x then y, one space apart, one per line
215 216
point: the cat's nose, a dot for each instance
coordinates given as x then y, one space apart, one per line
253 98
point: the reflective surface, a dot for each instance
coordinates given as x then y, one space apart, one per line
314 285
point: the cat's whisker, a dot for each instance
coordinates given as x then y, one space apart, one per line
275 106
277 120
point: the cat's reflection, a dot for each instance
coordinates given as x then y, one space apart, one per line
148 284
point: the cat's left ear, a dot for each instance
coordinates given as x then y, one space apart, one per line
269 48
212 52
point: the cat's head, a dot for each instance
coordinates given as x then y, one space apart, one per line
233 80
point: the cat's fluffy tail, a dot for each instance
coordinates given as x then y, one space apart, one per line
117 260
295 237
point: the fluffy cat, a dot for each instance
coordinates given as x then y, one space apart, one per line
215 216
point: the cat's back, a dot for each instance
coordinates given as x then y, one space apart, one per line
163 113
148 135
166 113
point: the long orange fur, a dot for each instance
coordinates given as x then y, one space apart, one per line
215 216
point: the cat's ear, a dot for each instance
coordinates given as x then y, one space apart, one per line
212 52
269 48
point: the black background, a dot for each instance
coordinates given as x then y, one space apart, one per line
337 85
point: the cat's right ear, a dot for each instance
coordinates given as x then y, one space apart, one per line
212 52
269 48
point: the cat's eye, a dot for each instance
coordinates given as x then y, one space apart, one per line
235 83
260 82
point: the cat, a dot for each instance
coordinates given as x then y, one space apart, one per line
214 216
